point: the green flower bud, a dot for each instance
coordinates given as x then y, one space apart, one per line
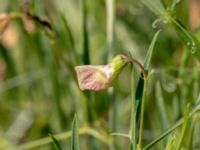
99 77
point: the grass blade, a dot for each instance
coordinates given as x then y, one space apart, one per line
86 53
140 85
184 126
71 38
150 50
191 135
161 107
56 143
171 129
75 136
133 113
171 143
142 113
110 26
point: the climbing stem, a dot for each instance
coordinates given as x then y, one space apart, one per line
142 113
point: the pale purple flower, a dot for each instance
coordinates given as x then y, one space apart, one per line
99 77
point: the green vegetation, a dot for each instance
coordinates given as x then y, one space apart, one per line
154 98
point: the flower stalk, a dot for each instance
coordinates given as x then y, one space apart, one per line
135 61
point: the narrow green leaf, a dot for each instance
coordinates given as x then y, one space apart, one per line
175 107
195 85
171 142
171 129
57 95
195 137
75 136
156 6
161 107
140 85
86 57
56 143
198 99
184 60
71 39
191 134
150 50
142 113
86 53
184 126
133 113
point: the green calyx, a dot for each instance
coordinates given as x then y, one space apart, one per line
117 64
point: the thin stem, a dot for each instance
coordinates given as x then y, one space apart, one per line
142 113
133 113
135 61
110 25
121 134
110 8
187 34
145 74
184 126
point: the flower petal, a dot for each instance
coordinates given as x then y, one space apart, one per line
92 77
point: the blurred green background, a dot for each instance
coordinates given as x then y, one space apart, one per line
39 93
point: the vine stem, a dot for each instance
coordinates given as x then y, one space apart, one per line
132 129
142 113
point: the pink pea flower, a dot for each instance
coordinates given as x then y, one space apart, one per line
100 77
